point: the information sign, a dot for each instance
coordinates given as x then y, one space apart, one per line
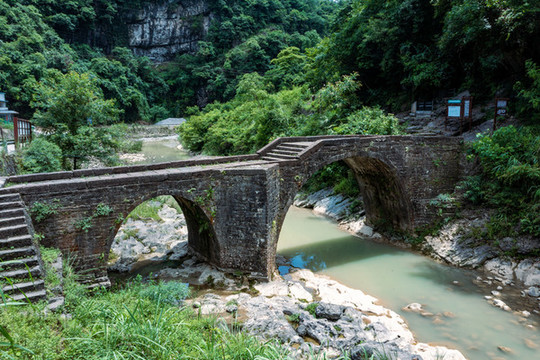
454 111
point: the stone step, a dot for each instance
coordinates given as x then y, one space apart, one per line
285 152
294 145
21 273
24 287
295 149
18 253
280 156
33 296
11 213
15 242
9 198
11 205
291 150
23 263
11 221
269 158
11 231
106 283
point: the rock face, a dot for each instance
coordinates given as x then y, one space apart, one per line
339 208
454 245
163 29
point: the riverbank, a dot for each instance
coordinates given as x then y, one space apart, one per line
456 244
311 313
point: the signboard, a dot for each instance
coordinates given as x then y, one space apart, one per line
459 109
501 110
454 111
466 108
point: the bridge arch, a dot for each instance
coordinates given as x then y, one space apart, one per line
385 198
201 235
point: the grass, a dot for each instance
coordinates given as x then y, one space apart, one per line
49 256
138 321
148 210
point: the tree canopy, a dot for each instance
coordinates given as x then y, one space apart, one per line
69 109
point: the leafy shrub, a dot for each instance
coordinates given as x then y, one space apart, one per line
369 121
41 156
103 210
41 210
293 318
510 180
529 92
172 292
512 156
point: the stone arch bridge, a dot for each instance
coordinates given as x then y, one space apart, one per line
235 206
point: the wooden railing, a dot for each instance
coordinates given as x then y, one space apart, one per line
22 130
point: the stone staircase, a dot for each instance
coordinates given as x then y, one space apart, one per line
19 256
286 151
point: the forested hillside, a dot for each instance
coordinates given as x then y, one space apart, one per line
40 38
401 50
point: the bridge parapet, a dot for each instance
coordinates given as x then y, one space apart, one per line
67 175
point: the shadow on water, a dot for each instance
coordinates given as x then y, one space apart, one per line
335 252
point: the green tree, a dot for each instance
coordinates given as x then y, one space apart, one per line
287 68
529 93
70 107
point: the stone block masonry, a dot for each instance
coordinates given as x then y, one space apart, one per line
235 206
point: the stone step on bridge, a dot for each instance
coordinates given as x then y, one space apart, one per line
235 206
21 270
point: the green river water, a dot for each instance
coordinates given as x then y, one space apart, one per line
398 277
163 150
462 318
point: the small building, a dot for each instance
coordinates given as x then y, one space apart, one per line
171 122
422 108
6 115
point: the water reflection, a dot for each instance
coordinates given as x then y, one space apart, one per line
333 252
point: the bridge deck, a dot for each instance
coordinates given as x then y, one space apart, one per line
229 161
281 150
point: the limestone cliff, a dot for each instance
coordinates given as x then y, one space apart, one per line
162 29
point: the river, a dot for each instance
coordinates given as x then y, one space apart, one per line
462 318
162 150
